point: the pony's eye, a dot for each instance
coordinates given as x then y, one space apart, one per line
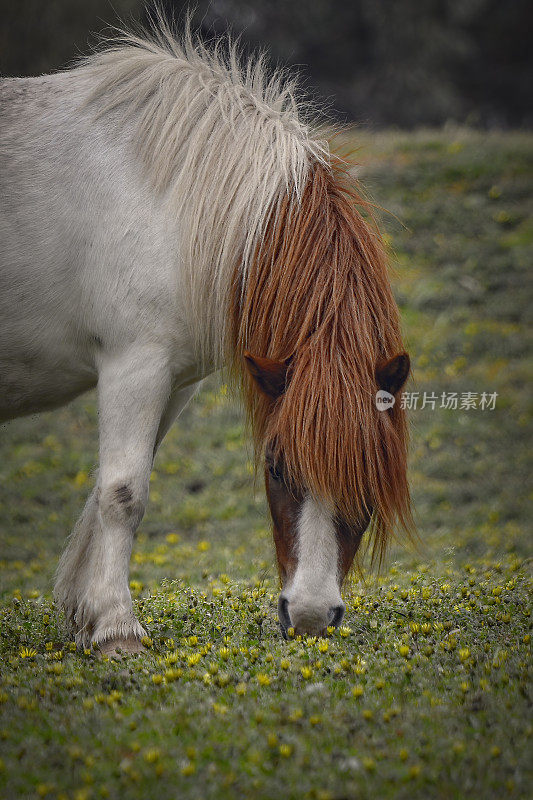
274 473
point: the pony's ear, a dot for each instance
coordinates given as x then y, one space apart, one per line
269 375
392 374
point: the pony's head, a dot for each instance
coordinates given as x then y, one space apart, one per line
315 542
320 337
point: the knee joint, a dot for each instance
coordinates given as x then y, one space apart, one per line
123 503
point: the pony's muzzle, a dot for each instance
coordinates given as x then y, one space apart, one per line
311 620
337 614
283 615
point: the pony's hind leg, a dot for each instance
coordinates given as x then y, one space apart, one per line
92 582
71 571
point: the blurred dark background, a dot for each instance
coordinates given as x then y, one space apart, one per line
385 62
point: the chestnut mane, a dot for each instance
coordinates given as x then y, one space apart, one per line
277 257
318 292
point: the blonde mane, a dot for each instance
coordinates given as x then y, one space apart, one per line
224 142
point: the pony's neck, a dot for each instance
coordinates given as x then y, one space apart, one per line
223 143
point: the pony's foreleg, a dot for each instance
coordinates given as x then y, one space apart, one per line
93 577
179 399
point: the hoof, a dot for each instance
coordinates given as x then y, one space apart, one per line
120 647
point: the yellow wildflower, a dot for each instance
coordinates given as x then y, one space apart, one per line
27 653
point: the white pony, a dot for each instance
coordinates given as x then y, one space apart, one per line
131 190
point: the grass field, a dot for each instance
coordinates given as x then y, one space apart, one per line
426 691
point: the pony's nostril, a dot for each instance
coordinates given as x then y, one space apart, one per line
283 613
336 615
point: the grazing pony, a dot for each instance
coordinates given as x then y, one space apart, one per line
165 211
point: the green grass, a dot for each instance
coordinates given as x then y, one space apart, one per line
426 692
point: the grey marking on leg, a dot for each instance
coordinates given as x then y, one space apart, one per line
124 494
